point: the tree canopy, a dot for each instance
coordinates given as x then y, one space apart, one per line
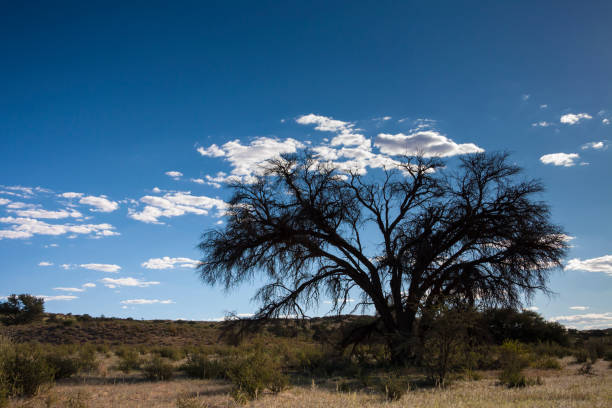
22 308
404 241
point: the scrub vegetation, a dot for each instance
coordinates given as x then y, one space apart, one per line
475 358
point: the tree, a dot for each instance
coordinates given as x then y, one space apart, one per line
24 308
405 241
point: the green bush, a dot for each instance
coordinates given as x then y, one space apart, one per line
62 364
252 374
158 369
171 353
128 361
23 369
198 365
512 360
86 359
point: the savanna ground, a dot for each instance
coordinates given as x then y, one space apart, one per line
118 352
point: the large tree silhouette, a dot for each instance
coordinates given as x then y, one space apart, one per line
405 241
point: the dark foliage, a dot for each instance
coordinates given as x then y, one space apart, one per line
525 326
405 242
19 309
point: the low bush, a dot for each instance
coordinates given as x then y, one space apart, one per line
158 369
252 374
171 353
62 364
548 363
23 370
198 365
128 361
394 387
513 358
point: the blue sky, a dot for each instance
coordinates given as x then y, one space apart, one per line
119 120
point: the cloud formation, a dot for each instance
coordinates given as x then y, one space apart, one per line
146 302
560 159
349 149
595 145
176 175
586 321
99 203
602 264
168 263
427 142
101 267
574 118
175 204
133 282
23 227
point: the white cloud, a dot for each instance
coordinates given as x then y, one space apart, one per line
39 213
174 174
247 159
4 201
51 246
100 204
175 204
525 97
113 283
581 308
23 227
59 297
156 190
71 194
574 118
89 285
101 267
560 159
212 151
586 321
70 289
601 264
428 143
146 301
542 123
198 180
533 308
45 263
605 121
324 123
595 145
348 150
169 263
543 106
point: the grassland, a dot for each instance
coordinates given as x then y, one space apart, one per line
319 375
563 388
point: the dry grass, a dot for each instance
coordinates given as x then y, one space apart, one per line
109 388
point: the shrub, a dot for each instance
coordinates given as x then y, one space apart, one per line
128 361
394 387
23 369
171 353
252 374
158 369
198 365
512 360
548 363
62 364
87 359
581 356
